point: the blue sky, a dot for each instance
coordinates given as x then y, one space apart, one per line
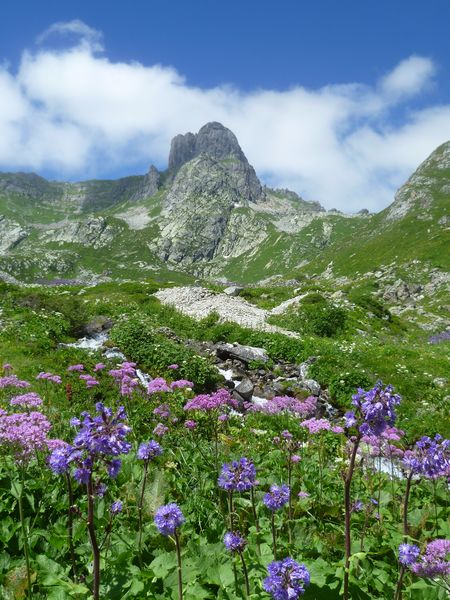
337 100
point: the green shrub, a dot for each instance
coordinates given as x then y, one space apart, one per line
323 318
154 352
343 385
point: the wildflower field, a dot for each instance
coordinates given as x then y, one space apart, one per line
112 487
161 493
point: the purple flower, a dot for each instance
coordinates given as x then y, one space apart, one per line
277 497
24 433
168 518
49 377
234 542
223 418
408 554
116 507
125 377
281 404
181 383
350 419
29 400
287 579
295 458
376 408
160 430
189 424
12 381
59 459
98 442
163 411
7 367
99 367
237 476
150 450
316 425
357 506
210 402
75 368
303 495
434 562
174 366
157 385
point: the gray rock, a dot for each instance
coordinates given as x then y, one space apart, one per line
233 290
97 325
245 354
312 386
245 388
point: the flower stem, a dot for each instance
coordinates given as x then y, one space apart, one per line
180 573
348 512
93 539
290 499
255 518
405 505
231 509
140 508
398 589
244 569
274 536
25 541
70 527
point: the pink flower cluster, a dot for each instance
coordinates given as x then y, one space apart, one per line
434 562
89 380
210 402
181 383
75 368
157 385
125 376
12 381
280 404
381 446
30 400
24 433
49 377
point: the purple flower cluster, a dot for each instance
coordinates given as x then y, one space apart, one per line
30 400
181 383
150 450
100 439
89 380
158 385
160 430
374 410
12 381
168 518
234 542
210 402
76 368
277 497
408 554
316 425
162 411
434 562
280 404
437 338
238 476
287 579
24 433
430 457
49 377
125 377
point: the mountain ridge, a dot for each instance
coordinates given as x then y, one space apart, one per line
209 216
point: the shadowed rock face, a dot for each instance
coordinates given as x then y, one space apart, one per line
213 139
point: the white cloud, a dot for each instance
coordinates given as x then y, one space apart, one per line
409 77
88 36
77 114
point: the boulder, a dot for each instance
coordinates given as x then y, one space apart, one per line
245 354
245 389
233 290
312 386
97 325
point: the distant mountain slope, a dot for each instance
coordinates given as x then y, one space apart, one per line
209 216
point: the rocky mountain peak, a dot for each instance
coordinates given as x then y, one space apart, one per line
213 139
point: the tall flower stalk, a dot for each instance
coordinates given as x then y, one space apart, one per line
374 412
146 452
96 446
168 519
235 544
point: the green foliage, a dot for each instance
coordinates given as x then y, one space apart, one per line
343 385
154 352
